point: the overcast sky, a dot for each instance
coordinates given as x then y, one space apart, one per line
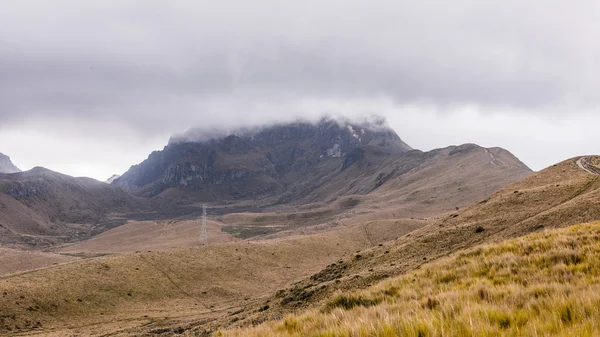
89 88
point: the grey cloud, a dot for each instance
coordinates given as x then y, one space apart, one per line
134 60
204 133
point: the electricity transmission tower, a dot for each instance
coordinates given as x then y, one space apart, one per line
203 236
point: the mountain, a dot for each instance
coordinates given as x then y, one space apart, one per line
112 178
295 163
326 169
285 202
412 185
41 207
6 166
257 163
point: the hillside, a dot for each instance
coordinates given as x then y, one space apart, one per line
558 196
40 208
545 284
421 184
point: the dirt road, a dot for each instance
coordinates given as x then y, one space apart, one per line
585 163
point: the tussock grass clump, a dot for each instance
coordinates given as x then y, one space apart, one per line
545 284
348 302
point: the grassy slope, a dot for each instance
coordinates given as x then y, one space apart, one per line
545 284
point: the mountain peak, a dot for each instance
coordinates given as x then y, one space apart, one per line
257 161
6 165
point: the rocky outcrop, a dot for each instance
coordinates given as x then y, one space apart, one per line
6 165
112 178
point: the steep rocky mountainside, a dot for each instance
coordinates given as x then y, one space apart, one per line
258 163
41 207
6 166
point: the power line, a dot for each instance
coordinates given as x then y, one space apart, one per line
203 235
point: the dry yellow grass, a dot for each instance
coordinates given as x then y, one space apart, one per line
595 161
545 284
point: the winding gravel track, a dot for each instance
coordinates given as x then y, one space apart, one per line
585 163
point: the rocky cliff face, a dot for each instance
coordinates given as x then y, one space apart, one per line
6 166
260 162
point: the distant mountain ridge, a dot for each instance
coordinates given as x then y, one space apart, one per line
40 207
256 162
6 165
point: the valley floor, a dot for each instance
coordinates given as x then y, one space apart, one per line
162 291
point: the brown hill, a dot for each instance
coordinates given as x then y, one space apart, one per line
40 207
455 176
